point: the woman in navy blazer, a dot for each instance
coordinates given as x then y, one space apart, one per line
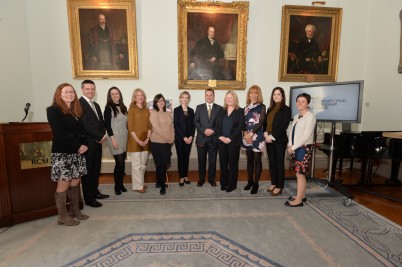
229 126
184 134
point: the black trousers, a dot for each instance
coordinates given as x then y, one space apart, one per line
119 170
161 152
276 160
183 157
90 182
210 149
229 162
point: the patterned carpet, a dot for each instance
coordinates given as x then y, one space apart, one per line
376 235
192 226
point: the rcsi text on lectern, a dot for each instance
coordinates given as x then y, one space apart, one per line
26 191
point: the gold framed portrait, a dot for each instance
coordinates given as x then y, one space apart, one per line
212 42
103 42
310 41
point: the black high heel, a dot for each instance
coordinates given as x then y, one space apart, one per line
287 204
187 182
291 199
254 190
248 186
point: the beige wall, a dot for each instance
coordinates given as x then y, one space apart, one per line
35 55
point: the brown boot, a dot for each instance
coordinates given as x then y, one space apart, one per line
63 218
75 203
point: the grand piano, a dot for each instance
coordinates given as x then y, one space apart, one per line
367 146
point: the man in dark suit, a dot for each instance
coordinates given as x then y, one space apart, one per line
206 56
309 53
206 141
96 134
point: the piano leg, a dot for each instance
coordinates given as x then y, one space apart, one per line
394 172
363 171
366 171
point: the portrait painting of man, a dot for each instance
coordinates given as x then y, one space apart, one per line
212 46
309 45
104 42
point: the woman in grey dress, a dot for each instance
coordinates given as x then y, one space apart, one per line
115 116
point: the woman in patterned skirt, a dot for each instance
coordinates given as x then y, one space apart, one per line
301 139
69 145
253 136
115 116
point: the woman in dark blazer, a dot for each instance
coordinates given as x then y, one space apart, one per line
184 134
69 145
229 126
277 121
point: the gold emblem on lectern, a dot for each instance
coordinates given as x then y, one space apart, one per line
35 155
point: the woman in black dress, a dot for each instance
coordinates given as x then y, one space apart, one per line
69 145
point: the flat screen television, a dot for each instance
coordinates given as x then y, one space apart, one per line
332 102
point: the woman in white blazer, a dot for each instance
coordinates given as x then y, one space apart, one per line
301 138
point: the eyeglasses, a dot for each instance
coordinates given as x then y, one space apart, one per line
162 100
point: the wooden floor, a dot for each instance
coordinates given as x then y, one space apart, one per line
383 199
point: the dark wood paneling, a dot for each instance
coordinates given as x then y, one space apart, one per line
30 192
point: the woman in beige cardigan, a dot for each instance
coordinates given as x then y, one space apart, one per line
162 137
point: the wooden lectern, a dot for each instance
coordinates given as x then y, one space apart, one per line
26 191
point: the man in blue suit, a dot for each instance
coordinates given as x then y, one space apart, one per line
206 140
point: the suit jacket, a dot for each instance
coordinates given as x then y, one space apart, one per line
279 124
202 122
182 127
237 117
94 127
204 50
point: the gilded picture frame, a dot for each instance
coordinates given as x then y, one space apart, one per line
310 41
103 42
209 60
400 52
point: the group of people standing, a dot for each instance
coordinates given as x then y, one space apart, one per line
80 128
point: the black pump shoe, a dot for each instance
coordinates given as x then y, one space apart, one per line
248 186
291 199
287 204
254 190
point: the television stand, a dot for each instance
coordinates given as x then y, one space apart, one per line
337 184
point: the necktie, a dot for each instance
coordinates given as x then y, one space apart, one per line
93 108
209 111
